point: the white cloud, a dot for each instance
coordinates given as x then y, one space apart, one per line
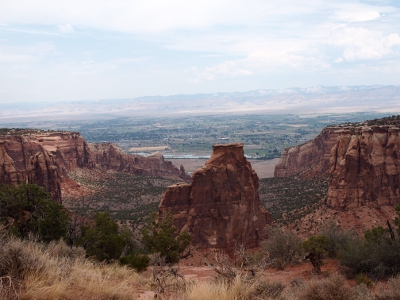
357 16
225 41
157 16
364 44
67 28
225 69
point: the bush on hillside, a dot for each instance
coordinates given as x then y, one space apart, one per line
317 248
283 247
378 258
159 236
102 240
139 262
338 238
28 209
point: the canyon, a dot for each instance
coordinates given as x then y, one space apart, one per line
362 161
46 157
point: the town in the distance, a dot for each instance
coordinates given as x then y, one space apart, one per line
297 202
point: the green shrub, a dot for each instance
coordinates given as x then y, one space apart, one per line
364 279
338 238
377 234
158 236
317 248
377 258
139 262
102 240
283 247
28 209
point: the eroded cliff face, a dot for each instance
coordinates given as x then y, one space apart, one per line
221 207
363 163
28 159
110 157
365 168
45 158
310 159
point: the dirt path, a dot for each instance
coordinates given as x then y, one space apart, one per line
301 271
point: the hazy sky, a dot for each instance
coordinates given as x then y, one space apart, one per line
52 50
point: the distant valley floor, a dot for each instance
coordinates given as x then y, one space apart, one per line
264 168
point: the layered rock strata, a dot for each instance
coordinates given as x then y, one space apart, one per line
365 168
310 159
221 207
363 163
45 158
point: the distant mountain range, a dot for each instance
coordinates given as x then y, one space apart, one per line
317 99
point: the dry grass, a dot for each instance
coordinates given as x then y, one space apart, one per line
31 270
331 288
36 271
238 289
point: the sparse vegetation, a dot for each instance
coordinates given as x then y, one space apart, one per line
47 268
102 240
28 209
283 247
158 236
338 238
129 199
331 288
317 247
377 257
288 199
34 270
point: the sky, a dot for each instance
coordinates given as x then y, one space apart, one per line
52 50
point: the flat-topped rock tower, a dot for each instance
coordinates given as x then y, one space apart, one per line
221 207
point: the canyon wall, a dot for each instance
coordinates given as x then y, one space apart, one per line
365 167
311 159
221 207
363 163
45 158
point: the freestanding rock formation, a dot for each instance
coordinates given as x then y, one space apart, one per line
221 207
45 158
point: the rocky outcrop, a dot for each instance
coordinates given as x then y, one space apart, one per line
45 158
363 162
110 157
221 207
311 159
24 159
365 167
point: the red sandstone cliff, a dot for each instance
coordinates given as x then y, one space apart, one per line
109 157
310 159
363 163
365 167
45 158
221 206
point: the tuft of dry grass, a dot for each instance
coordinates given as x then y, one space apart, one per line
32 270
332 288
391 291
222 290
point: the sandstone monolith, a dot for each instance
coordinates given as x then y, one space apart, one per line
221 207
